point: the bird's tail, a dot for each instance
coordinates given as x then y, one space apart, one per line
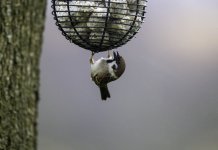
104 93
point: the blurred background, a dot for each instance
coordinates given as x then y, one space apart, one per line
166 100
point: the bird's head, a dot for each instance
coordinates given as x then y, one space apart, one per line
117 63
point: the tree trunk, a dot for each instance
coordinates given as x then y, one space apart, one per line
21 27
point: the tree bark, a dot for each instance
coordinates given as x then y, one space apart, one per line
21 27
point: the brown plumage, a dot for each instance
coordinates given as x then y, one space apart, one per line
106 70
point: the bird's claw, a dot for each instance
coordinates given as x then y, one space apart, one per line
91 60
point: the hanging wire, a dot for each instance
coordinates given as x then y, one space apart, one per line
99 25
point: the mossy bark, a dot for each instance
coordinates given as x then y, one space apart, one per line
21 27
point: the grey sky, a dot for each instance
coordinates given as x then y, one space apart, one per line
167 99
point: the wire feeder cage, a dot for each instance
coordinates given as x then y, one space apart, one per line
99 25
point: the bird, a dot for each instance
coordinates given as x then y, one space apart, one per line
106 70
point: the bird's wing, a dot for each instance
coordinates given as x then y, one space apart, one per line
102 79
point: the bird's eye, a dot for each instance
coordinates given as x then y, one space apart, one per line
114 67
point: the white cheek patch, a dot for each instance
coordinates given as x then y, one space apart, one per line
111 70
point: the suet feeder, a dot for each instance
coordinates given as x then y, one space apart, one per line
99 25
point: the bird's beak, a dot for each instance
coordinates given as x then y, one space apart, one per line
118 56
115 55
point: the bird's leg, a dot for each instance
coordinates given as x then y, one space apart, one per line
91 60
108 54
